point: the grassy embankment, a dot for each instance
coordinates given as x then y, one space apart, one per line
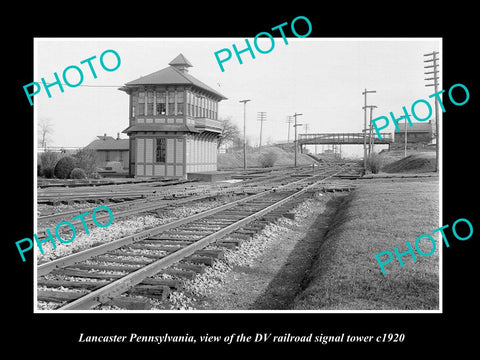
376 216
283 158
416 162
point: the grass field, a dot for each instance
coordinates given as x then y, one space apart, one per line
376 216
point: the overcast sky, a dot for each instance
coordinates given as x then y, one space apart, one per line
321 78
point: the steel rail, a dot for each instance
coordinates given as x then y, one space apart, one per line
156 205
117 287
61 195
71 259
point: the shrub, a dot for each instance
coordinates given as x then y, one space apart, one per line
48 160
47 173
86 160
268 159
374 163
78 173
64 167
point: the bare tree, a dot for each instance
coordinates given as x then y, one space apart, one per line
230 133
44 131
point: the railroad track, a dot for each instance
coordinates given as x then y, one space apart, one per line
136 264
171 199
147 190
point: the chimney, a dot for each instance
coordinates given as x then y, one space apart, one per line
118 136
104 136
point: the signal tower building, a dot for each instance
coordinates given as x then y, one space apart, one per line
173 123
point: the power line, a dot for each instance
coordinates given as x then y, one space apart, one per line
106 86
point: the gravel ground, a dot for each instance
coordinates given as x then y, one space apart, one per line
230 283
243 279
118 229
244 276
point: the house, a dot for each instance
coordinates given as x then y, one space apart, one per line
108 149
419 132
173 123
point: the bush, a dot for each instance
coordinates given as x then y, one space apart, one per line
86 160
268 159
374 163
48 160
47 173
78 173
64 167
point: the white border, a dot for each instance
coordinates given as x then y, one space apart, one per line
440 310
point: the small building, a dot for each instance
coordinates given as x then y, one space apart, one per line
173 123
417 133
109 149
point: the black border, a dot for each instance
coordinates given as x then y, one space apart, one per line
423 331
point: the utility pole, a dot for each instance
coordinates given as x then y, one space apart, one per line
289 121
370 129
295 143
406 135
244 134
261 116
365 128
372 140
434 65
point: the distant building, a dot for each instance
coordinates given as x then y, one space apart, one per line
108 149
417 133
173 123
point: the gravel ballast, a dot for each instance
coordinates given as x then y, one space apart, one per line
117 230
265 272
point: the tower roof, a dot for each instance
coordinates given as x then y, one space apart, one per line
173 75
180 60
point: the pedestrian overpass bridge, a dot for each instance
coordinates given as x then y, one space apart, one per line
343 138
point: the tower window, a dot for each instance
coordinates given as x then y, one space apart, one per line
171 103
150 103
141 103
180 103
161 103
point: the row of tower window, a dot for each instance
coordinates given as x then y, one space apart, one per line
173 103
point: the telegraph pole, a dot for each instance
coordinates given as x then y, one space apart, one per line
295 142
244 134
370 127
434 65
365 128
406 135
289 121
372 141
261 116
